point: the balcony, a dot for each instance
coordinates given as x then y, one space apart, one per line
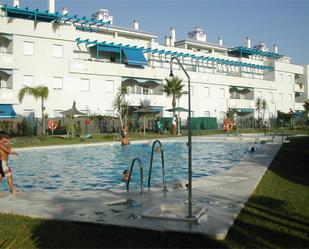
6 60
153 100
7 96
299 106
241 103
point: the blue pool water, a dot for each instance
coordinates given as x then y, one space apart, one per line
101 166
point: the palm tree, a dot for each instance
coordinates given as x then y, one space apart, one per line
264 107
306 106
258 105
174 88
121 105
38 92
144 110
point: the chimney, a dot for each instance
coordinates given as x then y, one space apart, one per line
220 41
51 6
65 11
16 3
173 36
248 42
135 25
167 41
103 15
275 48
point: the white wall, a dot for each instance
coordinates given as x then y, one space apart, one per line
44 66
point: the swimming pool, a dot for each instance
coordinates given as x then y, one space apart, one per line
100 166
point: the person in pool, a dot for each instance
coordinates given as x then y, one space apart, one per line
125 175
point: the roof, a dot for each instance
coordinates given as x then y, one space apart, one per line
201 44
130 30
177 54
252 51
82 23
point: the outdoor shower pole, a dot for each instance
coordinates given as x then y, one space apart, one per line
189 136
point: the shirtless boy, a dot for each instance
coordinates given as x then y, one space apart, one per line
5 150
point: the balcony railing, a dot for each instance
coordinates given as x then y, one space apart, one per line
6 60
241 103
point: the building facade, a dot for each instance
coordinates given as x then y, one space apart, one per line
87 59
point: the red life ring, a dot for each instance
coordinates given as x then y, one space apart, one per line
228 125
52 124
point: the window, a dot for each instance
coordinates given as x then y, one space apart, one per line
132 89
192 91
145 90
207 91
58 83
84 85
290 79
221 117
207 114
138 90
221 93
57 113
109 86
57 51
28 80
28 48
28 113
280 77
290 98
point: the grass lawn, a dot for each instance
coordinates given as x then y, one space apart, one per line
275 216
21 142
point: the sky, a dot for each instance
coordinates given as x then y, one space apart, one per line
281 22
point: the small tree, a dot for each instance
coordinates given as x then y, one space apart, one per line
264 108
230 113
258 105
38 92
306 107
121 105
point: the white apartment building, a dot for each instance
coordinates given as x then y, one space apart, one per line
87 59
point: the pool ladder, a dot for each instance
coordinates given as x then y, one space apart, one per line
162 164
140 171
160 148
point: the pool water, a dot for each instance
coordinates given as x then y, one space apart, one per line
100 166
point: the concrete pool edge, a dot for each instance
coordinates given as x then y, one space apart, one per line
224 194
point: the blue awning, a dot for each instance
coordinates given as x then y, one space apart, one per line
134 57
7 111
106 48
156 108
244 111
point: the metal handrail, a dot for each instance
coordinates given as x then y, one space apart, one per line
162 163
141 174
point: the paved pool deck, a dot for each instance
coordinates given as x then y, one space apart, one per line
223 195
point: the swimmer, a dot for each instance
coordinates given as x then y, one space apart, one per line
149 143
158 149
252 149
125 175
